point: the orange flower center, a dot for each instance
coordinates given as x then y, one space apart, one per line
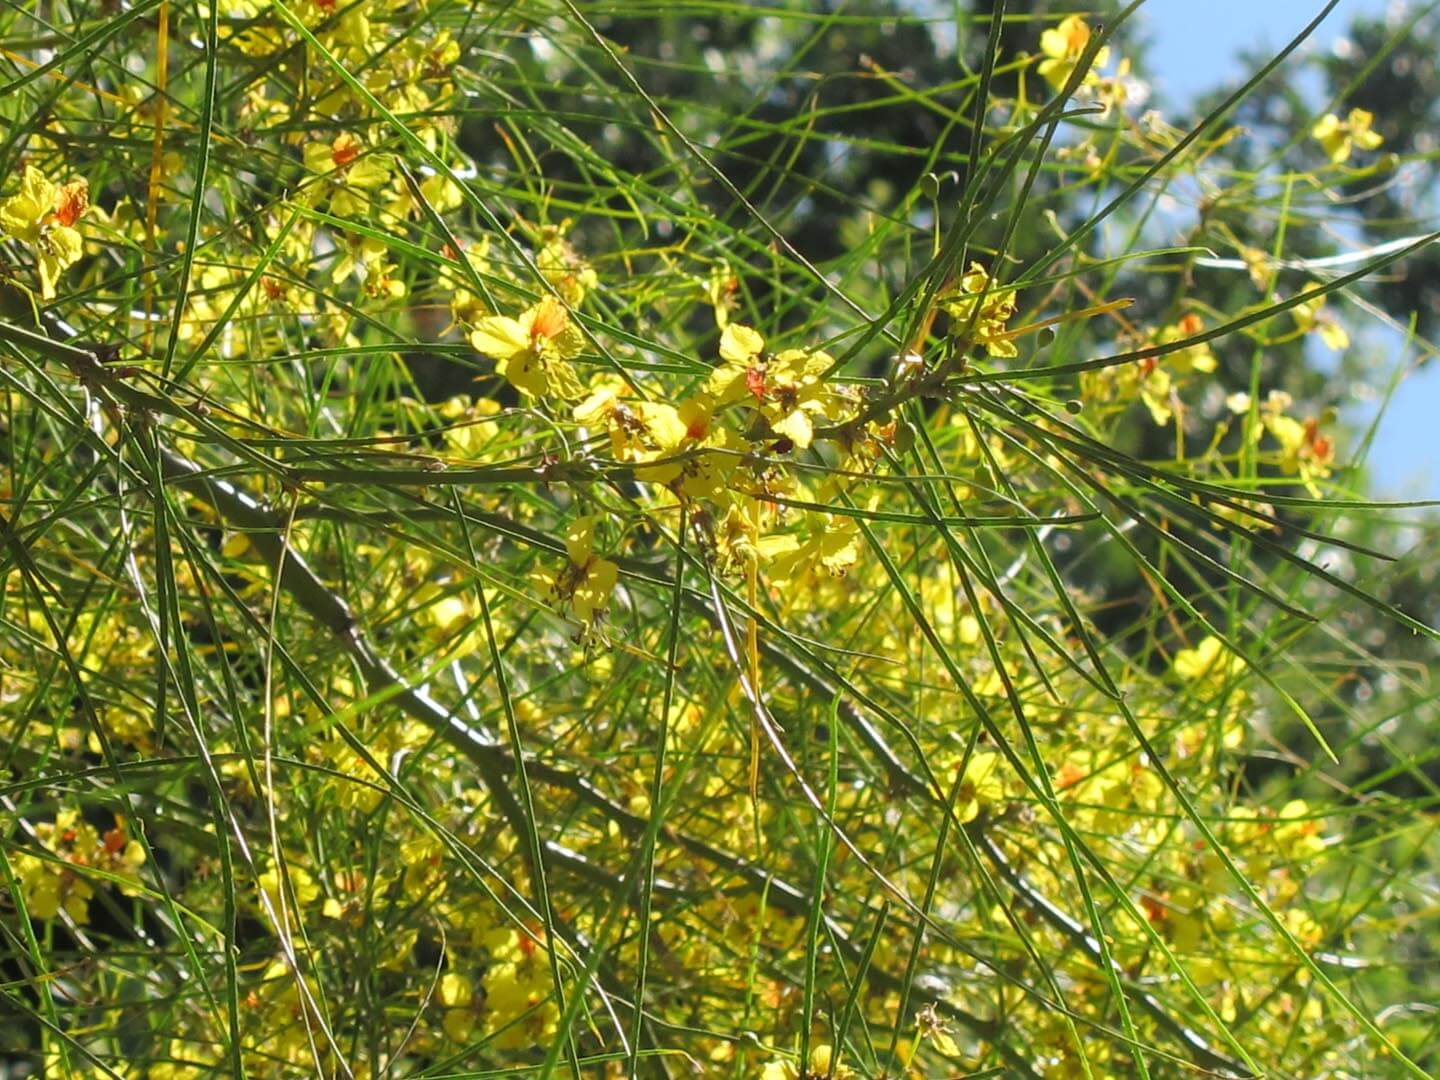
549 321
344 150
73 200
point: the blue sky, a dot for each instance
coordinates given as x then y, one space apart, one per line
1194 45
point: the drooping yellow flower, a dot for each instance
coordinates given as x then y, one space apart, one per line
640 431
457 995
1063 45
1305 449
787 388
1339 138
586 582
301 890
719 288
534 350
979 310
1297 831
42 216
793 393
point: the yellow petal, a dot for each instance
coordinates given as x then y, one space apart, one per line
740 344
663 423
22 214
593 594
770 547
726 385
56 249
524 371
580 539
796 427
499 336
596 407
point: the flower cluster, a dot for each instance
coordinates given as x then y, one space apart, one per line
77 859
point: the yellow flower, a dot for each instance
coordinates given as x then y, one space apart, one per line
719 290
792 390
458 996
469 433
1297 831
932 1026
787 388
1210 661
822 1063
49 887
1196 357
42 216
985 326
350 172
534 350
53 884
1311 315
1339 138
832 548
1305 449
1156 390
981 786
303 890
1063 46
639 431
586 583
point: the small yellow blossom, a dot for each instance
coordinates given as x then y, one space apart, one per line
1312 316
42 216
1305 449
979 310
787 388
586 582
1297 831
639 431
1197 357
720 289
1209 661
534 350
351 174
832 548
302 892
1339 138
982 785
563 267
1063 45
58 882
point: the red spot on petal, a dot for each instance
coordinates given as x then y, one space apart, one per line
550 320
755 380
344 150
73 200
1154 909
